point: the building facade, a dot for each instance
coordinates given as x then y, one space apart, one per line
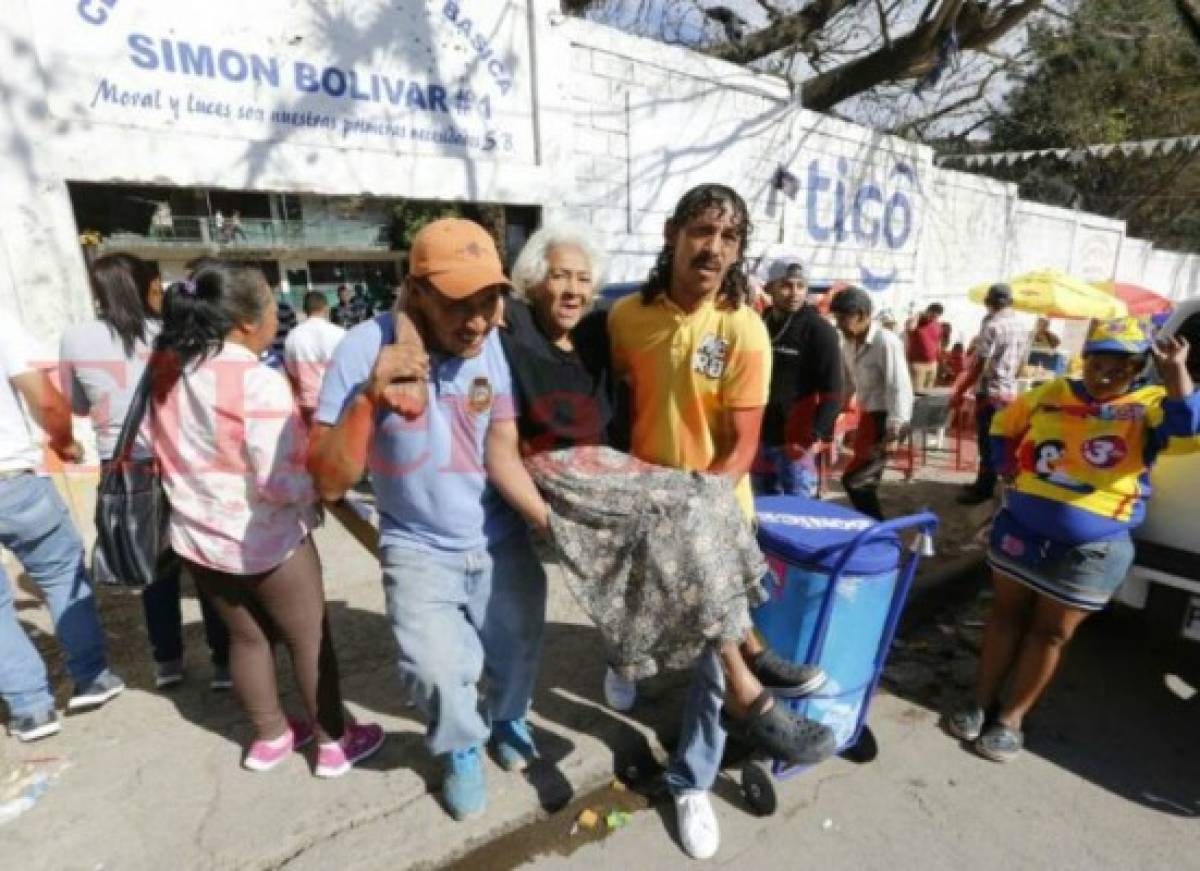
153 123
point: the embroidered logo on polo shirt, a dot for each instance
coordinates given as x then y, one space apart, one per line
710 357
479 397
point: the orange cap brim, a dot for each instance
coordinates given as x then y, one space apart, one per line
462 282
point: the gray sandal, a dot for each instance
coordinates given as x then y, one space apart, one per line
781 733
1000 743
965 724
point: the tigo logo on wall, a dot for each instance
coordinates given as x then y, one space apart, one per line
871 209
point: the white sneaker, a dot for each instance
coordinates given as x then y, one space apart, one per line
698 831
620 694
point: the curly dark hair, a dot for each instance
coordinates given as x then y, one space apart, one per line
735 289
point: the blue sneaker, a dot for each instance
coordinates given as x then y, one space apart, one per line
464 789
513 744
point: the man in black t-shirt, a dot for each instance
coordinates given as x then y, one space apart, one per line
806 386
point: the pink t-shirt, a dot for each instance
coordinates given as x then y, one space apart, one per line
232 446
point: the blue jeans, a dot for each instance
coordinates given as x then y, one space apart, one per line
457 616
697 758
164 618
787 477
36 526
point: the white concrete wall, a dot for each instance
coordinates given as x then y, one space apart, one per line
965 243
1095 246
1132 259
652 121
608 129
1042 237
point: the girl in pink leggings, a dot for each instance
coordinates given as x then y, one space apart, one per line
231 448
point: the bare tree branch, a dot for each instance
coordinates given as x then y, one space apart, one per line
928 10
993 29
947 14
774 13
883 24
733 24
965 132
917 125
797 27
915 53
851 46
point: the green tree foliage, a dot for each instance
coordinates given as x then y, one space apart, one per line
409 216
1118 71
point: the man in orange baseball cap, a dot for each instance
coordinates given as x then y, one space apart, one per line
464 590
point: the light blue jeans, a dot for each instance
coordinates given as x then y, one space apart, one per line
458 616
787 477
36 526
697 758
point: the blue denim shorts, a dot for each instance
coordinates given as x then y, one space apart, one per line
1084 576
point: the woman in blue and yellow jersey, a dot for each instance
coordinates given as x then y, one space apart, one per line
1077 455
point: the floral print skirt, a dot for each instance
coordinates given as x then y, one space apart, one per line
662 560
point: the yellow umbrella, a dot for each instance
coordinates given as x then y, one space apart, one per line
1055 294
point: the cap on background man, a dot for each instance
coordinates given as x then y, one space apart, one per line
785 269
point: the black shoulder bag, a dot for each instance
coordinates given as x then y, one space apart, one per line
131 508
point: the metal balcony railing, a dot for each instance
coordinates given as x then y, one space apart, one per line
190 231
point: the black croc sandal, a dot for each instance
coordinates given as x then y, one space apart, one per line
781 734
784 678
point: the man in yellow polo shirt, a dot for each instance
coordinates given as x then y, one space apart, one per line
697 360
700 371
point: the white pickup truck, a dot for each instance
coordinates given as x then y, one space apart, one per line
1165 577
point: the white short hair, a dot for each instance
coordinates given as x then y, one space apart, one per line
531 266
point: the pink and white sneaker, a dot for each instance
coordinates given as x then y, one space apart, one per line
265 755
357 743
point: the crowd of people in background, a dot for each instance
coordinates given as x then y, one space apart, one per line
493 420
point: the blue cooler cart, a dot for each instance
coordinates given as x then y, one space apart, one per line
841 580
